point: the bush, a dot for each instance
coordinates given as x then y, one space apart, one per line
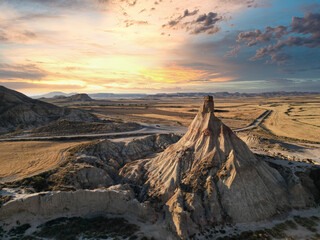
39 183
1 232
20 230
4 199
276 233
308 223
95 228
248 235
291 224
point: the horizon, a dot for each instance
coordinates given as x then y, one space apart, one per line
143 47
169 93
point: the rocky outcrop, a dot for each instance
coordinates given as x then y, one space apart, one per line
210 177
18 110
207 178
81 97
117 200
97 163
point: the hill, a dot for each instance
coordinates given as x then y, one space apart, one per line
53 94
81 97
20 111
210 177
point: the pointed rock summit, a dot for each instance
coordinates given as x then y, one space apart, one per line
210 177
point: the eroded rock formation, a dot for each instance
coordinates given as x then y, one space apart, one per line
118 200
211 177
207 178
97 164
18 110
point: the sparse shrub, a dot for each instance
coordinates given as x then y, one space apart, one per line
20 230
1 232
308 223
315 218
276 233
291 224
134 237
317 236
4 199
281 227
248 235
93 228
39 183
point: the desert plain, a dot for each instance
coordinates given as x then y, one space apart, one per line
288 136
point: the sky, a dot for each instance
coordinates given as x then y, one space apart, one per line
159 46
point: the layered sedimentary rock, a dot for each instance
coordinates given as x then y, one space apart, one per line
96 164
211 177
18 110
118 200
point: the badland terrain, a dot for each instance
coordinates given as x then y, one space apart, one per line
160 167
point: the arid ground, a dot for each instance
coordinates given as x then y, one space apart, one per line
287 139
23 159
291 119
295 117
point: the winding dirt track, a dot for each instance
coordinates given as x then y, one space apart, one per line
145 130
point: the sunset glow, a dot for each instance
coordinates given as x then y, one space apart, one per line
156 46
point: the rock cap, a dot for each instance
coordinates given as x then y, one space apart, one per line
208 105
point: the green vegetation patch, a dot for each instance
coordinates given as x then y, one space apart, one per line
4 199
248 235
291 224
308 223
1 232
19 230
88 228
276 232
279 230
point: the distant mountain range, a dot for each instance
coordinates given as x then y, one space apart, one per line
93 95
120 95
82 97
160 95
228 95
53 94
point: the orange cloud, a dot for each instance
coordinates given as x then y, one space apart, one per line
177 75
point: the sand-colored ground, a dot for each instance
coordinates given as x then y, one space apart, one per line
23 159
236 113
293 116
299 121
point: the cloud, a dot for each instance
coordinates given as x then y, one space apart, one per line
280 81
234 51
27 71
130 3
254 37
313 7
303 31
16 35
204 23
62 4
302 69
28 85
130 23
178 20
294 84
279 58
310 23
